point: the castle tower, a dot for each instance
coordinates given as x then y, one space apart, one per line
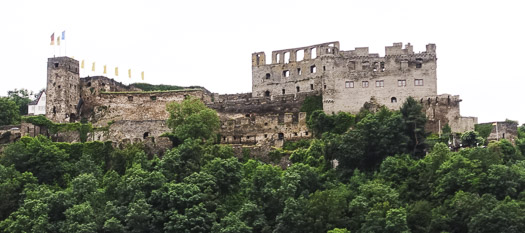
63 84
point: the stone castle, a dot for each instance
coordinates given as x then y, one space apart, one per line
270 114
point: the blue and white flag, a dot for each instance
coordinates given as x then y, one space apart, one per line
63 35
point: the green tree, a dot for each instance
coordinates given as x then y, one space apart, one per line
22 98
192 119
9 114
414 120
12 184
471 139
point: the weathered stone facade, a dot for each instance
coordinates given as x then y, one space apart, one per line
271 113
349 79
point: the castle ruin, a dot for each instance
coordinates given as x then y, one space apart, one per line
270 114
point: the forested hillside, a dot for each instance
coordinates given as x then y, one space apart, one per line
387 178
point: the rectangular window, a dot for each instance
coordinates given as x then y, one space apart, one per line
313 69
365 84
299 71
380 83
284 91
286 73
311 87
418 82
402 83
349 84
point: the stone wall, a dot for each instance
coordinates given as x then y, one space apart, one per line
444 109
259 129
63 85
137 106
503 130
347 79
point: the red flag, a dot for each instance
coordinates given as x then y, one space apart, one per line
53 38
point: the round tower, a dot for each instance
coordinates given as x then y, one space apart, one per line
63 84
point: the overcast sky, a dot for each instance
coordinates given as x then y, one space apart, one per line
209 43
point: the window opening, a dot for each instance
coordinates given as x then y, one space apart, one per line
313 69
287 57
267 93
349 84
418 82
299 55
268 75
380 83
153 98
281 136
130 98
284 91
419 63
313 53
365 84
56 65
311 87
299 71
401 83
298 88
286 73
382 66
393 100
146 135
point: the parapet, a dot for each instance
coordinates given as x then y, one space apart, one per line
66 63
296 54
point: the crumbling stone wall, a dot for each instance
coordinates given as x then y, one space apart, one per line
444 109
257 129
503 130
136 106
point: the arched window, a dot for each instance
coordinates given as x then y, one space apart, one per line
393 100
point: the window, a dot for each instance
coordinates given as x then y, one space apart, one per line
349 84
418 82
311 87
298 89
153 98
382 66
130 98
299 71
268 75
393 100
325 86
419 63
267 93
365 84
286 73
402 83
146 135
284 91
380 83
56 65
281 136
313 69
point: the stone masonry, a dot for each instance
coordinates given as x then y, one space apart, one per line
270 114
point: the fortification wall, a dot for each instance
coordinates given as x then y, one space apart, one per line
260 129
444 109
504 130
137 106
245 103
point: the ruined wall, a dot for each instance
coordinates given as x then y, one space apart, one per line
245 103
354 77
260 129
137 106
347 79
290 71
62 90
444 109
504 130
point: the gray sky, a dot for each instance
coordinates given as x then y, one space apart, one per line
209 43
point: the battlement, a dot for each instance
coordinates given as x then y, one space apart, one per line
245 103
285 56
65 63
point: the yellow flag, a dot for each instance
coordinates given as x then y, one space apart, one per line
116 71
58 41
129 73
82 64
142 75
93 68
494 123
104 69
